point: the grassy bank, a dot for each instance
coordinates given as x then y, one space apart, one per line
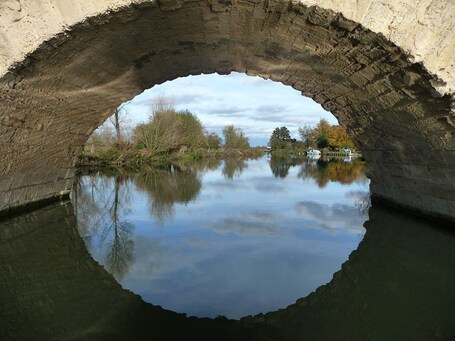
133 158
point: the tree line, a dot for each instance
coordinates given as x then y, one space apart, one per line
323 135
167 131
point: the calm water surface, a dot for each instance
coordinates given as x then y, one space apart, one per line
229 238
226 238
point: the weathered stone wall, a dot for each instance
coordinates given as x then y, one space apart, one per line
64 66
424 28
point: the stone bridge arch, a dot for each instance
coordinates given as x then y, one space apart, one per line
384 68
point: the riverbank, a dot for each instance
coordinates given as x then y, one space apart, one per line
131 158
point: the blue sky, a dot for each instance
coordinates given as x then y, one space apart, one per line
255 105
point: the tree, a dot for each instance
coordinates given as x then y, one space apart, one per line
191 130
322 133
115 131
169 130
280 139
213 141
101 137
160 134
339 139
120 122
325 135
307 135
161 104
234 138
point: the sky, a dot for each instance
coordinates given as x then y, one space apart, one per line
255 105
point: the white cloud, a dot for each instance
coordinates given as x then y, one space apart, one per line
251 103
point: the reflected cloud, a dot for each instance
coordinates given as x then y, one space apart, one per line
223 184
260 216
249 223
242 227
331 218
362 201
263 184
156 259
356 196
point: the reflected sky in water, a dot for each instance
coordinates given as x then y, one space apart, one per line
228 238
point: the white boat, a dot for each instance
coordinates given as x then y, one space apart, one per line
313 152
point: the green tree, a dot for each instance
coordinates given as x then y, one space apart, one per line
322 131
169 130
160 134
191 130
280 139
213 141
234 138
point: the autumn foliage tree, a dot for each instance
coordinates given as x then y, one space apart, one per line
325 135
339 138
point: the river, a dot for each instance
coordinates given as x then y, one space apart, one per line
225 240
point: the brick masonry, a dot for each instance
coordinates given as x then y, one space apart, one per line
383 68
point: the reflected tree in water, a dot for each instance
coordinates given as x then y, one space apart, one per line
164 187
335 170
210 164
101 206
202 166
232 167
280 165
120 253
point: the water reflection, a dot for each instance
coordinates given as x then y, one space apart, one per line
165 187
398 285
280 165
322 171
196 238
52 289
102 213
233 168
333 170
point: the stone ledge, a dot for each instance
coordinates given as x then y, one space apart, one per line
430 216
6 213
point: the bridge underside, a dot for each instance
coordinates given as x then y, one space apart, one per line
55 98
